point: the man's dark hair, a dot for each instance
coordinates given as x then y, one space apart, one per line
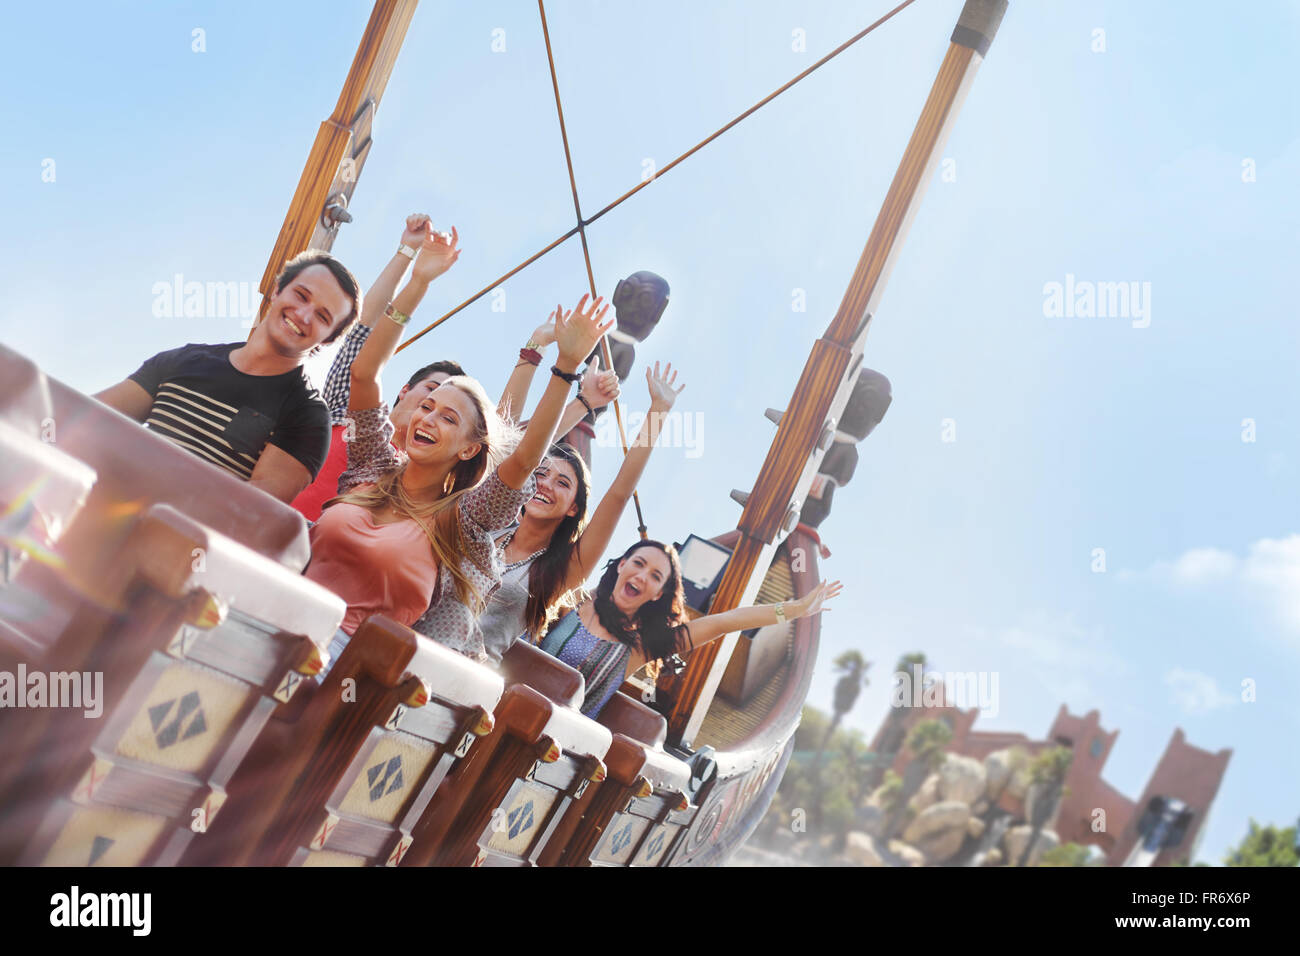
451 368
346 280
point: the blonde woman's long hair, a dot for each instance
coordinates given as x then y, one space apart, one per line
440 518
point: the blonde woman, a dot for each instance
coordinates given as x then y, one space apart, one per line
412 529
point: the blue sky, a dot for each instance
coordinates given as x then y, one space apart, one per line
1122 165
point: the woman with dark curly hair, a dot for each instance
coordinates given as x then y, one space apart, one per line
638 615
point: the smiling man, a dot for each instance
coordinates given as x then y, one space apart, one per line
248 407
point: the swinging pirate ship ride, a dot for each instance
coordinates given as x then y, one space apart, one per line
179 586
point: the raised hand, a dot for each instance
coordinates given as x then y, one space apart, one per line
580 331
662 393
599 388
438 253
418 226
813 601
544 334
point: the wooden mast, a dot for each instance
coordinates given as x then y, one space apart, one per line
342 142
772 508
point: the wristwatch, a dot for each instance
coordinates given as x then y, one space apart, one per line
409 251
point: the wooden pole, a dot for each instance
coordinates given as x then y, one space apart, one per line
827 380
342 142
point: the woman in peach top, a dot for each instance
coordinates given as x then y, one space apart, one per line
412 529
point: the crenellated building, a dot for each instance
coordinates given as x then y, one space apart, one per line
1163 825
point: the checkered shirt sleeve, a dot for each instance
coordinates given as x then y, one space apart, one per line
338 384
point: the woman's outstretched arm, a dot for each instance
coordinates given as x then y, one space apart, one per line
516 390
338 383
576 336
595 537
713 626
598 388
438 253
381 292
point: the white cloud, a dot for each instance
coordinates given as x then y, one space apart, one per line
1196 693
1272 569
1203 564
1268 575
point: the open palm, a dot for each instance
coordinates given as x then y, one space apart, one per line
438 253
816 599
662 393
576 334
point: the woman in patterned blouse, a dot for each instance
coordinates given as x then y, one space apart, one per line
413 529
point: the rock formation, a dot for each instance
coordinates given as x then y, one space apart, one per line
967 813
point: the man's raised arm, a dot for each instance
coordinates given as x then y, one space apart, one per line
338 383
438 253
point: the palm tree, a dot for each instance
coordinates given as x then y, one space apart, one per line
927 740
1047 771
891 741
907 660
852 667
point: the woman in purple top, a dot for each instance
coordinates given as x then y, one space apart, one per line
638 615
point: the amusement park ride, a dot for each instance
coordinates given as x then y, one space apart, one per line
127 557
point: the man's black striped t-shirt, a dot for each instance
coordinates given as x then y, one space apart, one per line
206 405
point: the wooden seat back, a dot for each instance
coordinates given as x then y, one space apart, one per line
41 491
25 395
344 783
525 663
138 465
501 805
206 639
641 809
653 817
136 469
631 718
